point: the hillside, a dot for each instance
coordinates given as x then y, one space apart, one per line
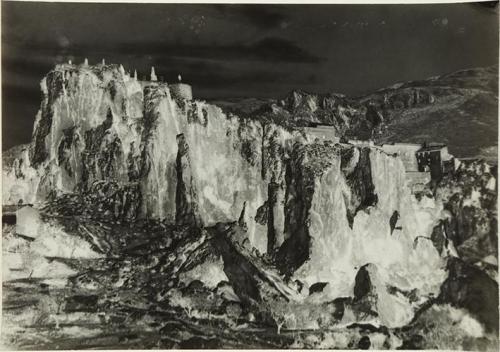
459 109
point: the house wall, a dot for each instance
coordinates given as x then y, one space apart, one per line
322 133
431 160
361 143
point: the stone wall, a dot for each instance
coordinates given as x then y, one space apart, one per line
181 90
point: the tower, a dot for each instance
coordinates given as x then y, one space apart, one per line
153 74
86 62
181 90
135 75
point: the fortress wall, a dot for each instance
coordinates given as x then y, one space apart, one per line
181 90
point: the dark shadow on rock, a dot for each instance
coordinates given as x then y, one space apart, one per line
470 288
197 342
317 287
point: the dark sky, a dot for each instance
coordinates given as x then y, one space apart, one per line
241 50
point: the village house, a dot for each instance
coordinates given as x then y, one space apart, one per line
324 132
434 158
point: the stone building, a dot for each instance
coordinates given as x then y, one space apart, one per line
322 132
361 143
181 91
434 158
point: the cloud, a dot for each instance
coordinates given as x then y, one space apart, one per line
63 41
209 74
265 17
278 49
440 22
267 49
285 24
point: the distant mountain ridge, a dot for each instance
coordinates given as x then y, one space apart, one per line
459 109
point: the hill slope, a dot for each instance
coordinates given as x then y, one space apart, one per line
460 109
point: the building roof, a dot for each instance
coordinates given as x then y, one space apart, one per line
320 124
395 144
431 147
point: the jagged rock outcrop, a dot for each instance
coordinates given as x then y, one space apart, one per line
470 196
345 116
334 109
359 179
471 288
186 199
469 235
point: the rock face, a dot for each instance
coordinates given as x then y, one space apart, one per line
98 125
309 214
346 116
469 197
471 288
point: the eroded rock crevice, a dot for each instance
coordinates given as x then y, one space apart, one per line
186 199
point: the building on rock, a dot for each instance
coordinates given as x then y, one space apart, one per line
181 90
434 158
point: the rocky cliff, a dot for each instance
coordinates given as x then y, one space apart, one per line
297 228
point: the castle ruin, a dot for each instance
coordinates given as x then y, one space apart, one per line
177 90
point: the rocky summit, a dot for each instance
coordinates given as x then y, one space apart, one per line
138 217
